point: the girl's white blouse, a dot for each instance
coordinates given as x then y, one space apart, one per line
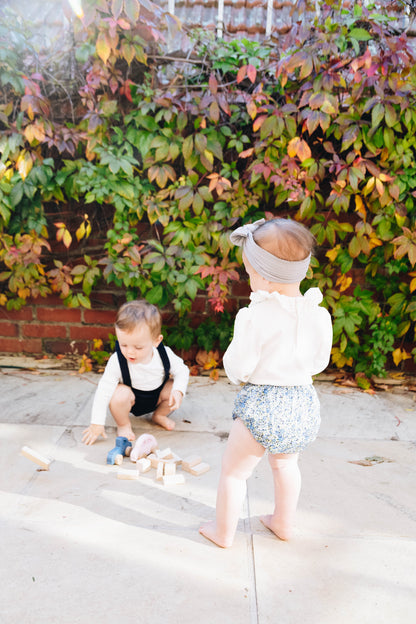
280 340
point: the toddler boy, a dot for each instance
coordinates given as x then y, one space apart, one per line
141 377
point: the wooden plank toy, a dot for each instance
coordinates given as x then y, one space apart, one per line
164 454
199 469
143 465
176 459
36 457
159 471
174 479
154 460
169 468
128 474
190 461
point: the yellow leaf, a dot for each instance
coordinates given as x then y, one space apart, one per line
333 253
399 355
67 239
379 186
374 241
292 147
251 109
3 299
413 285
80 233
359 206
304 151
343 282
102 47
339 358
24 164
29 133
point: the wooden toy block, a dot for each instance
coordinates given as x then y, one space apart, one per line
143 464
36 457
175 479
164 454
190 461
169 468
199 469
177 459
159 471
128 474
154 460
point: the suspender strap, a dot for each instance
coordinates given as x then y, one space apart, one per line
125 369
165 360
124 366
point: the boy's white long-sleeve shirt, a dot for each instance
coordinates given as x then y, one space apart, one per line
280 340
143 377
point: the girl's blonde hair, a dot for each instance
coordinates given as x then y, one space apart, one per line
285 239
133 313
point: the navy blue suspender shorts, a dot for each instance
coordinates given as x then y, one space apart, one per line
146 400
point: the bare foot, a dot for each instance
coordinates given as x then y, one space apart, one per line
209 531
280 532
127 432
164 421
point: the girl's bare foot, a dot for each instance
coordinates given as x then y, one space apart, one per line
127 432
209 531
280 532
163 421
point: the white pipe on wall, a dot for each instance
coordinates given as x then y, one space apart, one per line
220 18
269 17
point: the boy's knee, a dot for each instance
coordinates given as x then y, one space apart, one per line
165 392
123 395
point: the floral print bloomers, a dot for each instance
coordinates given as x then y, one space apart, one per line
283 419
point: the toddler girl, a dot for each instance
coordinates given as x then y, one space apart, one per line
280 340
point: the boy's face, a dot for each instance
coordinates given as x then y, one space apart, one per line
137 345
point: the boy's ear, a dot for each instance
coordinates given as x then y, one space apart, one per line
158 340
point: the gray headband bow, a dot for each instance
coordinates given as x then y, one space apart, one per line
267 265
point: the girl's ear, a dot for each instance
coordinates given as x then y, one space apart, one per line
157 340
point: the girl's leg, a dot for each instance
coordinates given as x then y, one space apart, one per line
287 483
160 415
241 456
121 403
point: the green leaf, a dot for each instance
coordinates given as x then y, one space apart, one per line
84 301
377 115
132 9
360 34
188 147
155 294
191 288
16 194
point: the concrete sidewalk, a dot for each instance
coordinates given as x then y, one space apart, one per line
80 546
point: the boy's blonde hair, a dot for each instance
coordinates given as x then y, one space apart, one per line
285 239
133 313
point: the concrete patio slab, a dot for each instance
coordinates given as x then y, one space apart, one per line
81 546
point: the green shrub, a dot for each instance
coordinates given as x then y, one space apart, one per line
321 130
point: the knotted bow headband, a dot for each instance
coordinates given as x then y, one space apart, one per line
267 265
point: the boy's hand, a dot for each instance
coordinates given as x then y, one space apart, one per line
93 432
175 399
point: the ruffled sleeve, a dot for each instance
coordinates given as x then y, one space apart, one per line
243 353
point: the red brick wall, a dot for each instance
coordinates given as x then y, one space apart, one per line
46 326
